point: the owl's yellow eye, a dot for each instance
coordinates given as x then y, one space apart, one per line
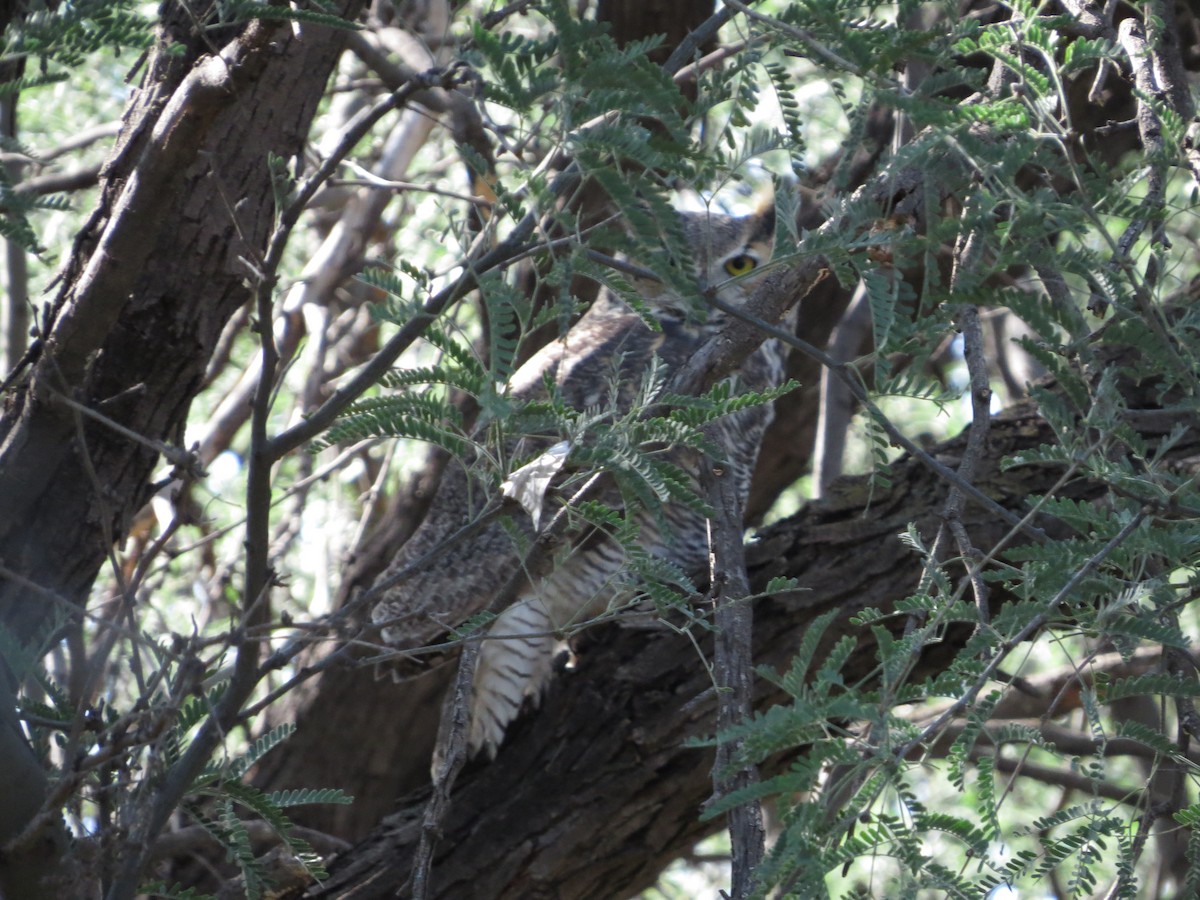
740 264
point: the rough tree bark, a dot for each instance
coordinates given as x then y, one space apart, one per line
133 326
136 319
595 793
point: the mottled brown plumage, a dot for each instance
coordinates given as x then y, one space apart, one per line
462 579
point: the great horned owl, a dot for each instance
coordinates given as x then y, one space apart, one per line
516 658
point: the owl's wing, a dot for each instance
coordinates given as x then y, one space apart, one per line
610 346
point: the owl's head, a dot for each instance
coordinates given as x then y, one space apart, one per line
725 247
726 252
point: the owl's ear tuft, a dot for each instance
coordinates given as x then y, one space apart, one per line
764 229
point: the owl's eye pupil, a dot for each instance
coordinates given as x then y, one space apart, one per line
740 264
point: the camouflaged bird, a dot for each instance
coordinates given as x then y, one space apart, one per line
461 579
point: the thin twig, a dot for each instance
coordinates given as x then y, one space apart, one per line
849 376
82 139
450 755
59 182
694 70
176 456
733 669
371 181
697 38
1031 627
981 417
815 47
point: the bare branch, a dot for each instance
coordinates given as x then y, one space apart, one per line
59 182
733 667
837 402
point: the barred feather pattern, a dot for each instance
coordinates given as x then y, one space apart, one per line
458 581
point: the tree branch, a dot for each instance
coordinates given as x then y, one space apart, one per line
609 740
733 671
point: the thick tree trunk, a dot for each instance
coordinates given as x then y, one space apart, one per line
592 795
161 266
153 278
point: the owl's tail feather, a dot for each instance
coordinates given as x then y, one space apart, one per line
515 662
